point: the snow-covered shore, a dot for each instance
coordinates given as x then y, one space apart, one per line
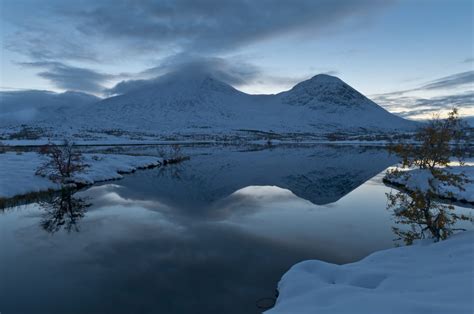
417 179
422 278
234 140
17 171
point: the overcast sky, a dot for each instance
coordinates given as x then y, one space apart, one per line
413 57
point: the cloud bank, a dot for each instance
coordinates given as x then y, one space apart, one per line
23 106
458 92
71 78
179 34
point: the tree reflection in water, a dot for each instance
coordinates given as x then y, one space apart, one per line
172 171
424 216
63 211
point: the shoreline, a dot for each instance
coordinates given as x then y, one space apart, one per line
24 184
415 179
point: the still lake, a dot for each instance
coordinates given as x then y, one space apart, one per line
210 235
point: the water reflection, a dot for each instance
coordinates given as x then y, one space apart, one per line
172 172
62 211
211 235
321 175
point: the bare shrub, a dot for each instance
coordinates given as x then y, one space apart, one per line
62 162
176 152
173 152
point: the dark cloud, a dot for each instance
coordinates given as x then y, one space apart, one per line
407 106
457 100
42 44
451 81
415 105
128 86
232 71
468 60
448 82
55 33
58 30
71 78
213 25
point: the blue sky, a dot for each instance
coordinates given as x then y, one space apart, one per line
392 51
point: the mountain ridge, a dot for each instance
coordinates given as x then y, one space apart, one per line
191 103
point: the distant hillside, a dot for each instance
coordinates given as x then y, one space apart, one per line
181 103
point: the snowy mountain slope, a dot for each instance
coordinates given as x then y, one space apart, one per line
173 103
178 102
335 103
182 103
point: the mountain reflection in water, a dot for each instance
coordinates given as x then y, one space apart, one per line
211 235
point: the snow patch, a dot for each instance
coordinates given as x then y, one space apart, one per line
17 171
422 278
418 179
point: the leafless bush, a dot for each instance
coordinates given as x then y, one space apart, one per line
176 152
62 162
172 152
172 155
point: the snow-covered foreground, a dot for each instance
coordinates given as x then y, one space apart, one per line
17 171
417 179
423 278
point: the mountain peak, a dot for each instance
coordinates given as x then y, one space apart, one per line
324 91
325 78
320 81
196 82
180 83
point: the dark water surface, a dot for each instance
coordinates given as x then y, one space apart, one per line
211 235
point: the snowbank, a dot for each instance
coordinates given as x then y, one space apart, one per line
418 179
423 278
17 171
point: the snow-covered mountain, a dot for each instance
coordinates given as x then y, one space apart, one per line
181 103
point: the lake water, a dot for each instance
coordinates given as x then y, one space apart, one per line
211 235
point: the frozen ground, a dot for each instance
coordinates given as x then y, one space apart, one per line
418 179
17 171
423 278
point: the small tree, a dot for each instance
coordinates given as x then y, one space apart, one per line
437 142
172 155
435 145
176 152
62 162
